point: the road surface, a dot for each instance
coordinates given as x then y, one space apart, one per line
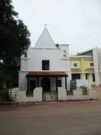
58 118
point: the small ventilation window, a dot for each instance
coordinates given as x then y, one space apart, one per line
91 64
75 65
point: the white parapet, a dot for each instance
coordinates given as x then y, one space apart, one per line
92 94
77 94
20 95
62 93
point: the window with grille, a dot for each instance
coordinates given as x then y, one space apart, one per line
45 64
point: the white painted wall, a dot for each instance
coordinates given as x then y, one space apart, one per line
20 96
33 62
77 95
95 58
22 80
97 65
24 63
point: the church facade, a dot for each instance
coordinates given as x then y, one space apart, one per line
45 66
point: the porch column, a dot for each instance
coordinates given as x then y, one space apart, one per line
56 84
83 76
66 83
37 81
28 84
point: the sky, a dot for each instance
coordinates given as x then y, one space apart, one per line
73 22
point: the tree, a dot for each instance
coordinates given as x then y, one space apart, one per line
14 40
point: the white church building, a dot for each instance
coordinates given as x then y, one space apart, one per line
45 67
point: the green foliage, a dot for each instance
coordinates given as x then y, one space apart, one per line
14 40
84 90
4 96
8 76
6 11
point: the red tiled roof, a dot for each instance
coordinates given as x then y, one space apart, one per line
51 73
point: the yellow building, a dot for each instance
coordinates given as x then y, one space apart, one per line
82 67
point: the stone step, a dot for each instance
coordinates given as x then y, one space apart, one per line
50 96
54 96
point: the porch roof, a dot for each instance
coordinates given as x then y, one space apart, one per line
50 73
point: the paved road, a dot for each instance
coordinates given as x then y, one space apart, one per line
60 118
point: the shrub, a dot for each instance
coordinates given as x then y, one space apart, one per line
84 90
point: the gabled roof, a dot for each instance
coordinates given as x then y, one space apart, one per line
45 40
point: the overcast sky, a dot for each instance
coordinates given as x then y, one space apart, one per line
73 22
